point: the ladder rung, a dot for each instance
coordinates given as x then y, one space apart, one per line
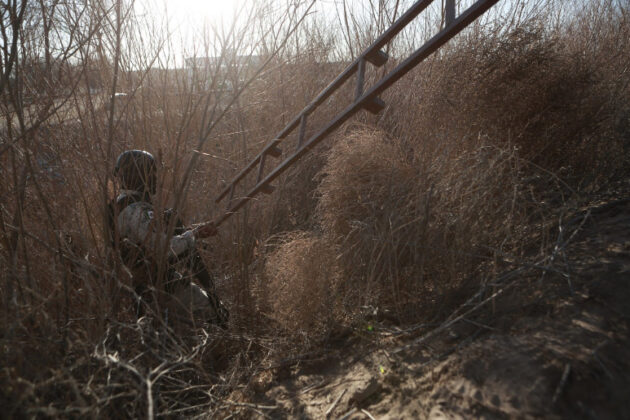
229 201
374 106
261 167
267 189
366 99
274 151
360 80
302 131
449 12
377 57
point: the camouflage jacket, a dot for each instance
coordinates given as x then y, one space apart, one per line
137 223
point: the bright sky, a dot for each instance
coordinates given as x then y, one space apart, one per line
194 12
187 18
186 14
213 10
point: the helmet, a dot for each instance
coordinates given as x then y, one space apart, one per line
137 171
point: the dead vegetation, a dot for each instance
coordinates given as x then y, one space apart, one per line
400 219
411 229
303 279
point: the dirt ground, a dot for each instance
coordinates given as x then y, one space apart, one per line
547 339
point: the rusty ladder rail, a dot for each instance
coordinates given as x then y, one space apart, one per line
367 100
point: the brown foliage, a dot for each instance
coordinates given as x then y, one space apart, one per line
460 173
408 227
303 277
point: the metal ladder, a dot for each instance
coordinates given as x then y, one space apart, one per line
368 100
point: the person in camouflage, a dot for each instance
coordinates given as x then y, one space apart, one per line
139 235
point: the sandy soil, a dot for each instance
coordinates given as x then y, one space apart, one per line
550 343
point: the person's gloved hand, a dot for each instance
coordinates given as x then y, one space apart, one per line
205 230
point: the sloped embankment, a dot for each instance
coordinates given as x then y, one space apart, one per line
549 338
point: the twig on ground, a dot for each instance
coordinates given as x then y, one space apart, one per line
180 411
478 324
250 405
313 386
334 404
367 413
602 365
447 324
348 414
562 383
408 330
254 407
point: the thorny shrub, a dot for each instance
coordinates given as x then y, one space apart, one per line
468 167
303 277
559 96
411 228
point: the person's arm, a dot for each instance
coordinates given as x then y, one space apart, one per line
205 230
137 223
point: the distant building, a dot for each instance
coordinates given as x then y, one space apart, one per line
230 68
227 61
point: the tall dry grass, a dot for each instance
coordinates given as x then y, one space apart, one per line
403 211
410 229
303 281
468 170
68 304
